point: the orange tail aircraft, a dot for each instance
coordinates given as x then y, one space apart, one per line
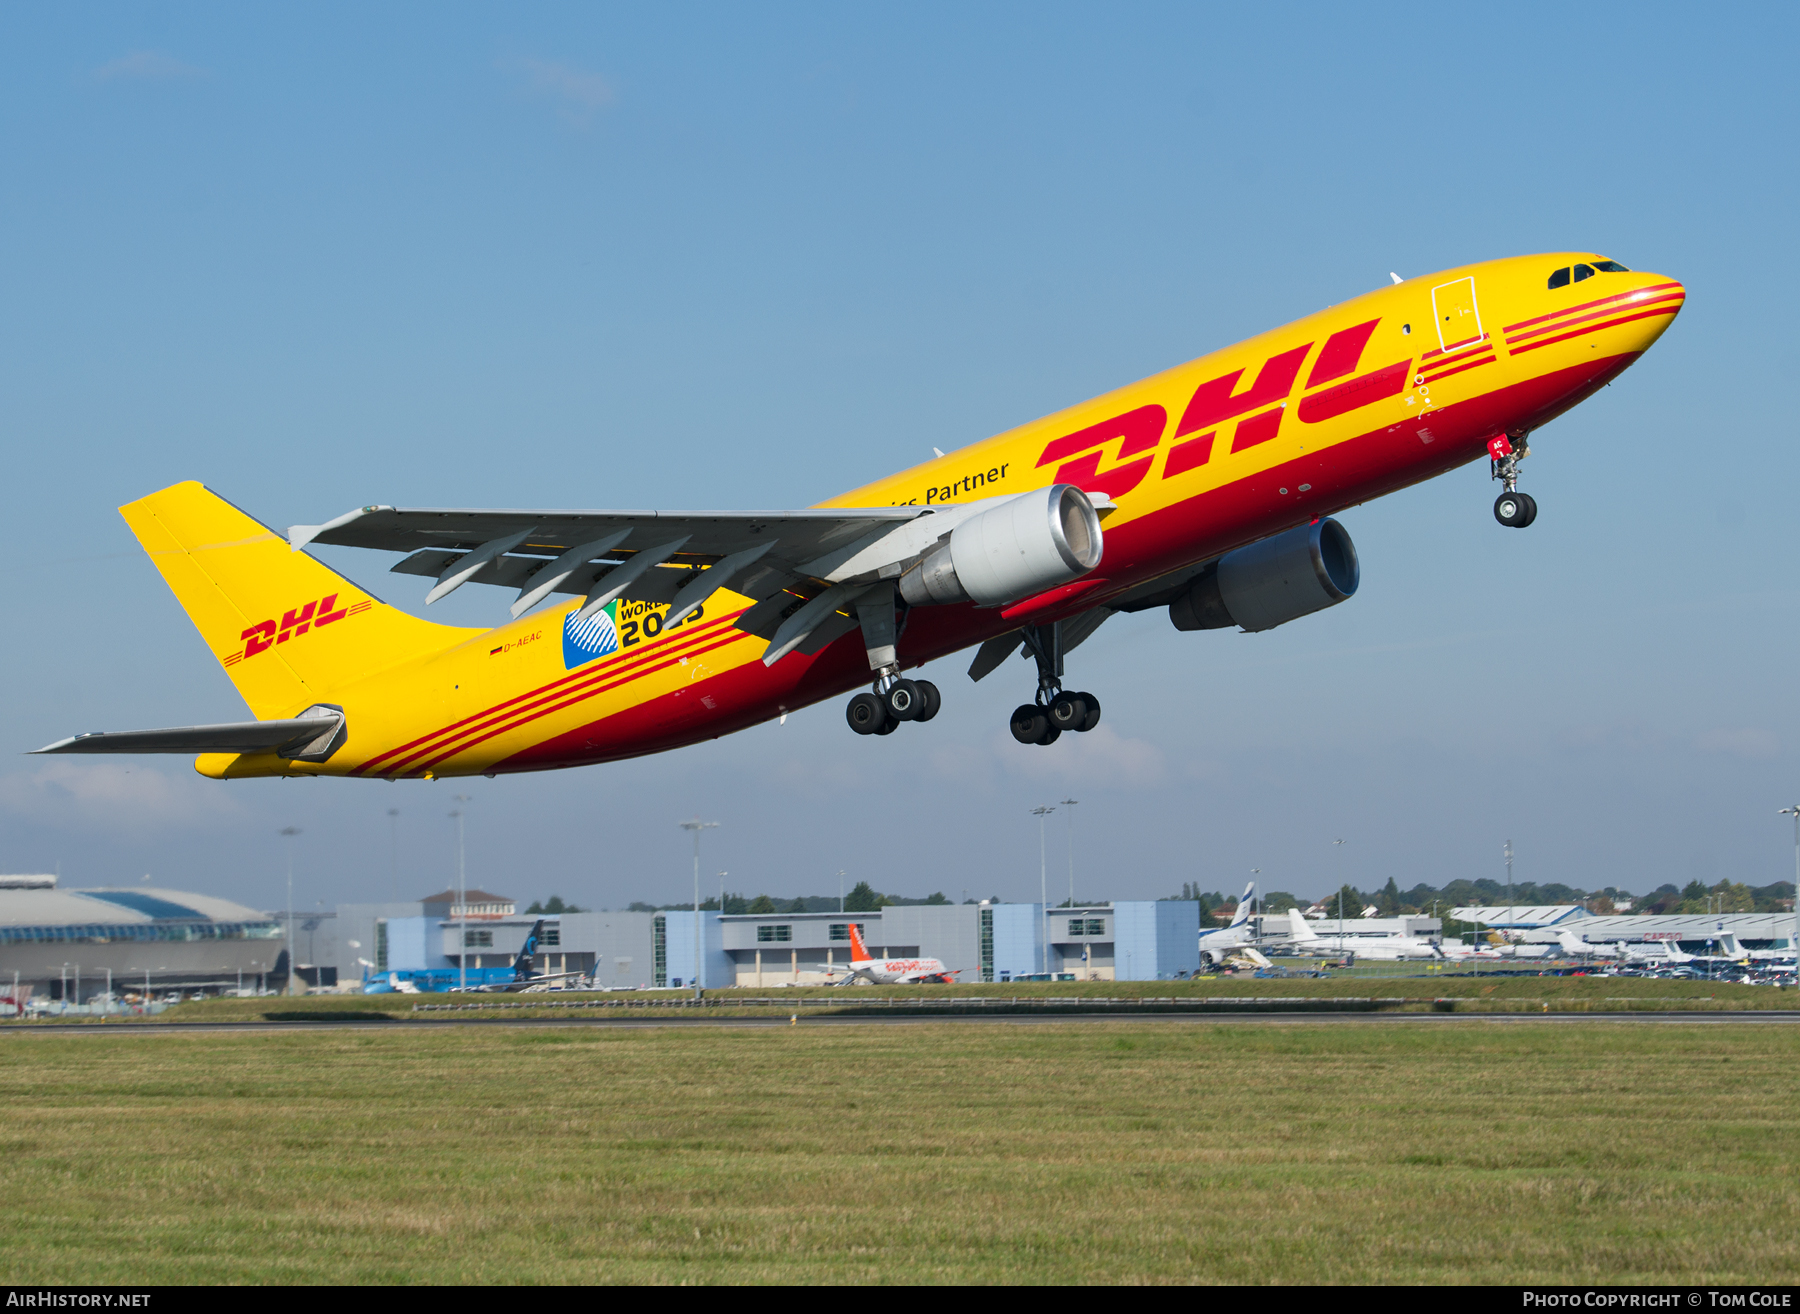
1215 481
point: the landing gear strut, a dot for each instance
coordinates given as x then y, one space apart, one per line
894 698
1043 721
1512 508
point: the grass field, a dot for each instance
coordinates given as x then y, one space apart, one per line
1072 1152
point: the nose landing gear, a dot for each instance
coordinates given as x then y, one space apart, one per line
1512 508
1055 710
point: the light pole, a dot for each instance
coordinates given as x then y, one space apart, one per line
462 899
1338 844
394 854
722 876
1044 881
1794 941
840 894
290 832
696 826
1511 911
1070 804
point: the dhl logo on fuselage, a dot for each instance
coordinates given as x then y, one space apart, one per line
1258 410
295 621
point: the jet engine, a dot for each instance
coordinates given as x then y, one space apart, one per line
1030 543
1273 581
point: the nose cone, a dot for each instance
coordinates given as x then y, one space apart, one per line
1651 307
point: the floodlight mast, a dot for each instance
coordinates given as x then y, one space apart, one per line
1071 803
1044 882
1512 913
462 899
696 826
394 854
289 832
1794 940
1338 844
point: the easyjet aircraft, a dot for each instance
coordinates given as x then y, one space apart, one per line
1214 481
890 971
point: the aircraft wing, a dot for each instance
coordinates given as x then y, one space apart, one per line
805 567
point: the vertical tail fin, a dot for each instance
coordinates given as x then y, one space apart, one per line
1301 931
288 629
859 952
525 965
1243 908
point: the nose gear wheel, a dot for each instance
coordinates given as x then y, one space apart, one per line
1515 510
1512 508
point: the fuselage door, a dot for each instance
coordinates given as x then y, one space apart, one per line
1458 318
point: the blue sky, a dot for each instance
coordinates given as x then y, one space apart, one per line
752 256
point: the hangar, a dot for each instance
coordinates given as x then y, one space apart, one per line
612 948
1138 940
1692 933
1125 941
69 943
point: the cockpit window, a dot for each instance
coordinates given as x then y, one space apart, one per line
1583 271
1610 267
1559 279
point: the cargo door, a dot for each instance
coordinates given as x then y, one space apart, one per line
1458 318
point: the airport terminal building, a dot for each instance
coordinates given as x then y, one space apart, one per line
1126 941
67 944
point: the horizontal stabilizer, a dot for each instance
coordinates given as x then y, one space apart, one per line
299 735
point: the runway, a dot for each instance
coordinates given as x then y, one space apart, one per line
386 1023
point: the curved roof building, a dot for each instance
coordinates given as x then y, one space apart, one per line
165 937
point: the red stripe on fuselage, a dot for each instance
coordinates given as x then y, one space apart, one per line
1589 305
631 662
1457 367
1660 303
465 743
1467 344
1594 328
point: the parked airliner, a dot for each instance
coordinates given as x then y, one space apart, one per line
889 971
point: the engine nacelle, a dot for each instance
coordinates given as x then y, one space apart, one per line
1033 542
1274 581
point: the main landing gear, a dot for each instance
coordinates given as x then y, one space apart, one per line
1055 710
894 698
1512 508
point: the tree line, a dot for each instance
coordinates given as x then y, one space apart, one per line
861 897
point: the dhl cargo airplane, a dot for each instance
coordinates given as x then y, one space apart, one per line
1215 480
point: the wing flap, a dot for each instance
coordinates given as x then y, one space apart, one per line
805 534
757 553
